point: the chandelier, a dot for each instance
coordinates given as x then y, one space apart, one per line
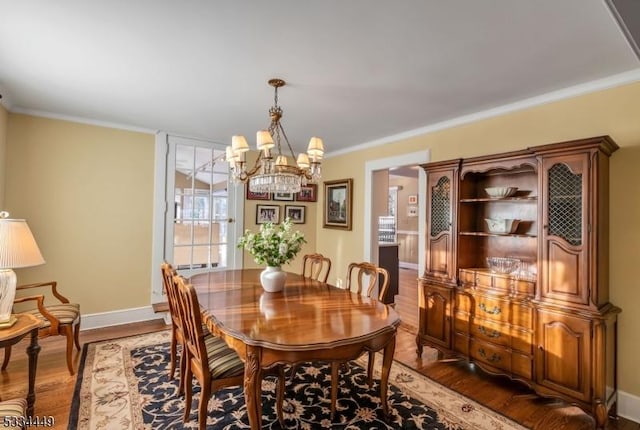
275 172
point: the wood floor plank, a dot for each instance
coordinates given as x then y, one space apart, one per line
54 389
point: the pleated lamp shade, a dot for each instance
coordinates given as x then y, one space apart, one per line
18 247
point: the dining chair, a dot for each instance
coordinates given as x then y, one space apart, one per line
177 332
13 412
316 267
356 274
58 319
208 358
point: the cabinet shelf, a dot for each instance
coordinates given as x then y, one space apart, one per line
506 199
554 311
483 234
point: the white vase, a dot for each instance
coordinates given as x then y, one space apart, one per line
272 279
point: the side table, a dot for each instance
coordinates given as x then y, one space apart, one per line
25 324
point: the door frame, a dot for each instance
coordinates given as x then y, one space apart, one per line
409 159
161 207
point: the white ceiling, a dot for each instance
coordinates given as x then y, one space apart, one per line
357 71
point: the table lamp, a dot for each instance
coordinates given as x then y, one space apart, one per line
18 248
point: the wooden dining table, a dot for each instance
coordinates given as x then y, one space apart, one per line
307 321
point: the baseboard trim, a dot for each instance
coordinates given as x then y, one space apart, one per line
124 316
406 265
628 406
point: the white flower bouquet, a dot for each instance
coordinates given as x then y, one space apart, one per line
274 245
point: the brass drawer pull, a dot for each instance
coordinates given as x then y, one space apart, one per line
495 311
492 333
493 359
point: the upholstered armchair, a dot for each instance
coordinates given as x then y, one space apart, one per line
13 412
59 317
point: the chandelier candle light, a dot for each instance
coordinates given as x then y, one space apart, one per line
272 172
18 248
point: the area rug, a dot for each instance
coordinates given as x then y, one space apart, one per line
124 384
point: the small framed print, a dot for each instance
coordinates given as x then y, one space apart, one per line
257 196
308 193
295 213
413 199
288 197
337 204
267 213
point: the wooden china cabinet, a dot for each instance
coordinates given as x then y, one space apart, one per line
548 321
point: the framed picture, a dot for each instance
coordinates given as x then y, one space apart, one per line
283 196
257 196
267 213
295 212
413 199
337 204
308 193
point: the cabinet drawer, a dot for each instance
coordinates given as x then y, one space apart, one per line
461 322
521 365
463 302
502 283
526 288
522 340
493 309
491 332
461 343
468 277
484 280
493 355
522 315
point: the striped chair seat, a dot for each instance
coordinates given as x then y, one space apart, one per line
223 361
66 313
13 408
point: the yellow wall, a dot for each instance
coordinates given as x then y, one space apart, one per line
4 116
86 192
615 112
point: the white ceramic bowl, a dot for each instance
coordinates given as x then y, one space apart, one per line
500 192
499 225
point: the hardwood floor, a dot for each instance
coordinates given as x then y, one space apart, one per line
54 385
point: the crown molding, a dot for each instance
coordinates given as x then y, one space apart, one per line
554 96
81 120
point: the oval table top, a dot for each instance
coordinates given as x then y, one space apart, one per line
307 314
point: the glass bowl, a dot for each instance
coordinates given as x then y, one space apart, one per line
503 265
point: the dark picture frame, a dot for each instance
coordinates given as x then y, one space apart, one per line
296 213
251 195
308 193
338 200
287 197
267 213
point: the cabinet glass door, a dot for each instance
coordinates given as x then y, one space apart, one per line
565 230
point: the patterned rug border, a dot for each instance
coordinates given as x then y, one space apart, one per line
466 412
465 403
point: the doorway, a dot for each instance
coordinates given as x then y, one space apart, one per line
197 210
409 219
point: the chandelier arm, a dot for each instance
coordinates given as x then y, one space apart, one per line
269 172
293 154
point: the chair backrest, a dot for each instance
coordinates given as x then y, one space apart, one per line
191 319
168 274
316 267
360 270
